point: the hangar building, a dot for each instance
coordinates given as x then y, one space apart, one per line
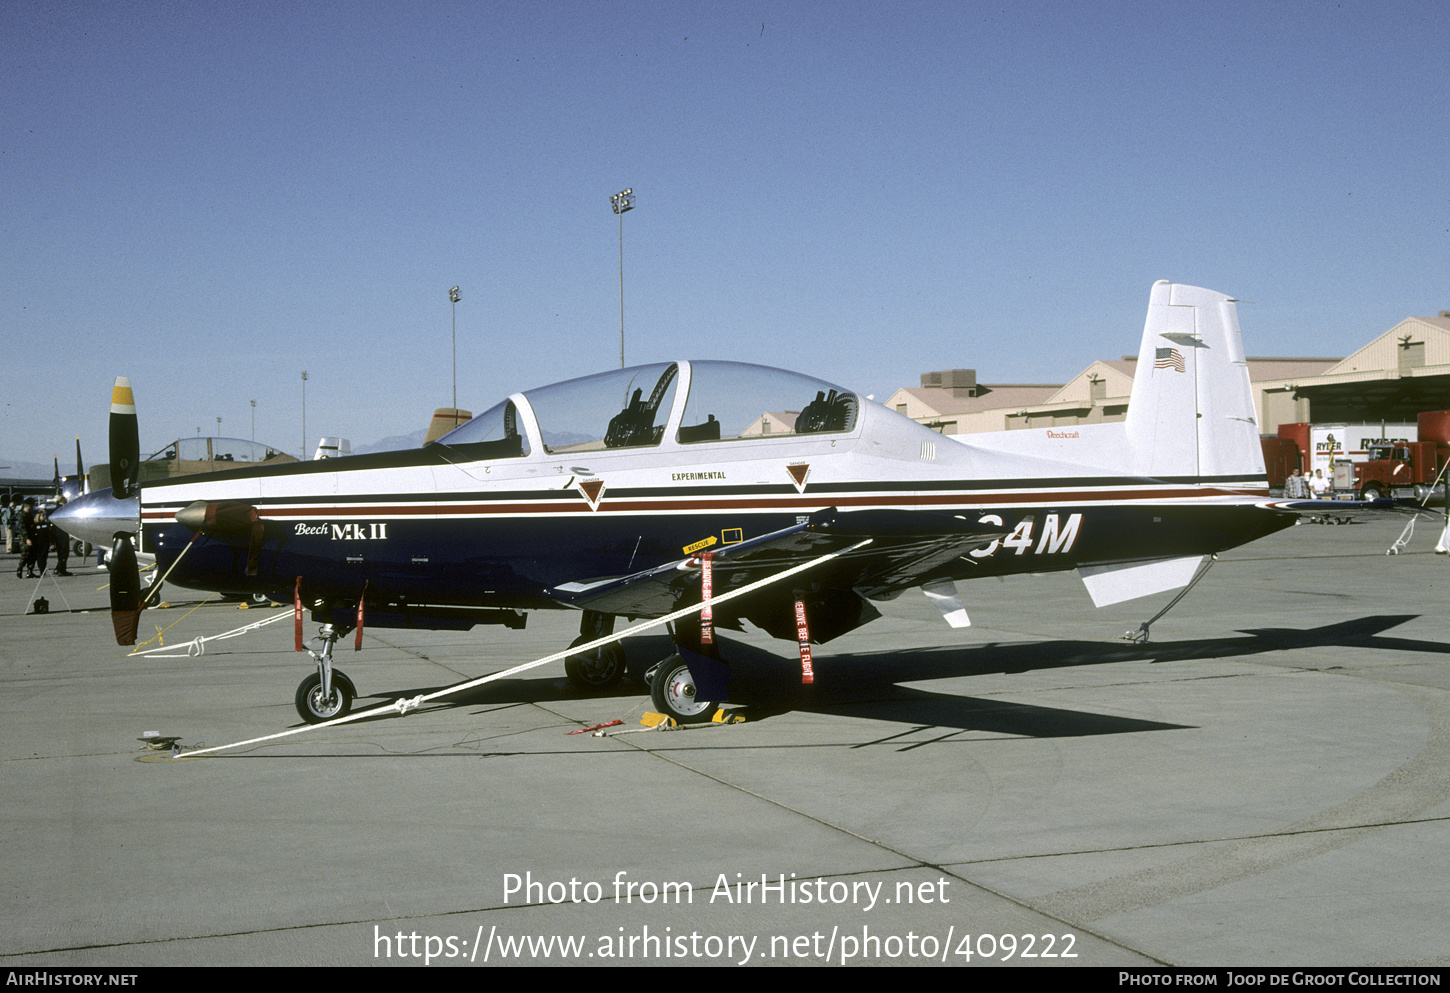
1402 372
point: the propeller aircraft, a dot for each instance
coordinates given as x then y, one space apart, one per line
638 491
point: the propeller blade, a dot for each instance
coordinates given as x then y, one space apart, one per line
81 480
125 440
125 591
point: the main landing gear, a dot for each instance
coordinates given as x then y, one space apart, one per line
327 693
689 685
601 668
674 693
674 689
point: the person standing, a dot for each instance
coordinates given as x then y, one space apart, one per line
22 528
1319 485
61 541
39 538
1296 487
7 521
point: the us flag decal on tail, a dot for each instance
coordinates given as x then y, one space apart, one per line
1168 358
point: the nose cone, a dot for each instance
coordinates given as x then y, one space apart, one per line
98 517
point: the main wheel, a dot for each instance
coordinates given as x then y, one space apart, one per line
673 692
596 670
314 709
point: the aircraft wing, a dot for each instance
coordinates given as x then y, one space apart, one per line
904 546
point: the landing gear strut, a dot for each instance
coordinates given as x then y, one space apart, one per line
326 693
601 668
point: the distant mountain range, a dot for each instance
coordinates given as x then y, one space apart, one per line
393 443
28 470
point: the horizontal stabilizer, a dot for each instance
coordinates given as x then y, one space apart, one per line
1350 510
1109 584
945 598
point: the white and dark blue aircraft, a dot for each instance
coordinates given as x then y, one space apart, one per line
603 495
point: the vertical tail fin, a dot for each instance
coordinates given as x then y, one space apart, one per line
445 419
1191 412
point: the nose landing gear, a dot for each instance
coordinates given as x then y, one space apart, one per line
327 693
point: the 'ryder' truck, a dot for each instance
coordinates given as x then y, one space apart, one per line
1403 468
1330 448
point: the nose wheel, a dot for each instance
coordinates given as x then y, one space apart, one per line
327 693
314 708
673 692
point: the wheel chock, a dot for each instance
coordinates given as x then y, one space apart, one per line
653 720
724 717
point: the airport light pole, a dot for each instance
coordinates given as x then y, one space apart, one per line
453 299
254 422
622 201
304 415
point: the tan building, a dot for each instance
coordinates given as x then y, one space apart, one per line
1402 372
1096 395
953 402
1100 393
772 422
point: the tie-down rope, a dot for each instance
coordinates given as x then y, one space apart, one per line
402 706
197 645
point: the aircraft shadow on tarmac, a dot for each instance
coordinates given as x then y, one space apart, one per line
867 684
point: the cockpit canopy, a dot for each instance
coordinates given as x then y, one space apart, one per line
211 449
633 408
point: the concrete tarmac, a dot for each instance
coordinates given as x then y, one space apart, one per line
1265 783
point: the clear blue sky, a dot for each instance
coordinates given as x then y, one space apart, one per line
211 197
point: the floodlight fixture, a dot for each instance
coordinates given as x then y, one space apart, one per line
622 201
453 298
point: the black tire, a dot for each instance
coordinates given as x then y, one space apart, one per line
1371 492
673 693
310 706
597 670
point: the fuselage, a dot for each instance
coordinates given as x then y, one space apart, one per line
590 479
